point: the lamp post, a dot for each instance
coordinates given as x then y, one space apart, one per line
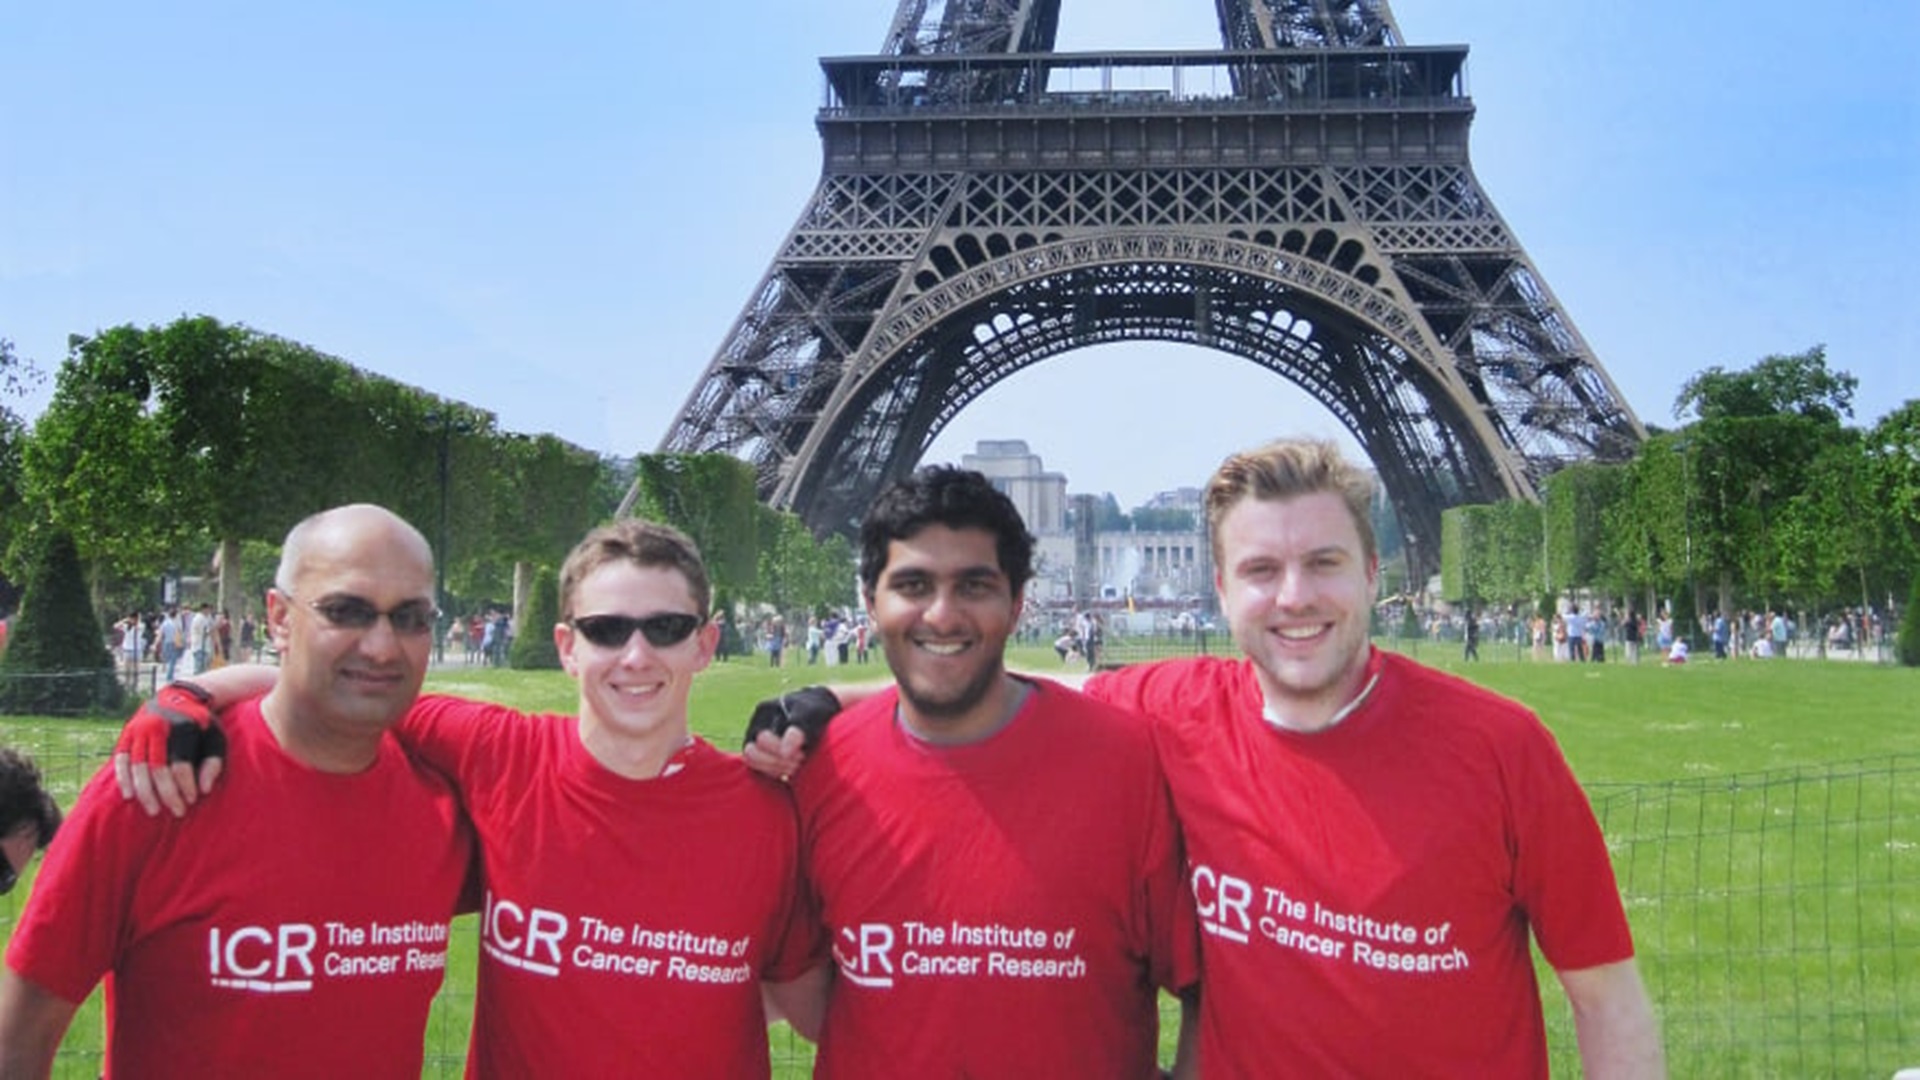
446 486
449 426
1413 594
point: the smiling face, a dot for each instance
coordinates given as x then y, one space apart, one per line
633 697
943 609
340 686
1297 588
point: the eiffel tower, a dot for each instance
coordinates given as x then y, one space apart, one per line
1301 198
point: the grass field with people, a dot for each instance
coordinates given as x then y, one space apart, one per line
1764 818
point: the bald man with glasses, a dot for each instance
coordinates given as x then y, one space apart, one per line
642 889
297 923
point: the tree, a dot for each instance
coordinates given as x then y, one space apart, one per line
1107 516
1798 385
307 407
1573 514
799 572
1907 645
207 383
545 493
533 648
1636 543
1650 533
97 466
13 438
1893 450
17 376
1161 519
57 663
711 498
1756 435
1747 470
1459 569
1491 553
540 493
1832 536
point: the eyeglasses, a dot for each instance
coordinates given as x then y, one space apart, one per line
357 613
614 631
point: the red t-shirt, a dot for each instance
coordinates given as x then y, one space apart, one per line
627 924
1000 909
1367 891
294 924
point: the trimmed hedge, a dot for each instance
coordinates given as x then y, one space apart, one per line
533 648
57 662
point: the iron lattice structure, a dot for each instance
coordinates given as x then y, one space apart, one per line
1301 198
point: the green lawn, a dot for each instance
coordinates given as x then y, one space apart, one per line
1764 817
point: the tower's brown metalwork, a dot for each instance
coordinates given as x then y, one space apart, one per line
1301 198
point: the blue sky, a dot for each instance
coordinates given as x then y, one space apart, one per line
556 211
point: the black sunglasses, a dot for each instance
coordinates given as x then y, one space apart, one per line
357 613
614 631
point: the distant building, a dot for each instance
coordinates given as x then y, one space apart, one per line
1156 567
1077 565
1016 471
1186 498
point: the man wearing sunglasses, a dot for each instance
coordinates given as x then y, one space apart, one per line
641 886
297 922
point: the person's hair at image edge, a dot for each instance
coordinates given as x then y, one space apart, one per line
642 543
1288 469
955 498
23 800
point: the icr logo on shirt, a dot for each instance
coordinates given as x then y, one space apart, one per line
865 954
526 938
262 959
1223 902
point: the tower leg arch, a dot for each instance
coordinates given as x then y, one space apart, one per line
1346 341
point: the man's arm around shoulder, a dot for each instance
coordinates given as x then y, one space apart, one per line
32 1022
151 773
782 729
1613 1018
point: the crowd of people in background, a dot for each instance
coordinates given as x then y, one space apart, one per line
1594 633
1081 639
482 638
181 641
838 637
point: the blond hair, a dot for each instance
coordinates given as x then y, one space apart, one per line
1287 469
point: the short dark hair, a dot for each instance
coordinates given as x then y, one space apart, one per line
950 496
23 801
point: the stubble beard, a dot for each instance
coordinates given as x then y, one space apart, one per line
962 702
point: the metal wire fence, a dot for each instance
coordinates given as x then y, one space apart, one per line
1777 916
